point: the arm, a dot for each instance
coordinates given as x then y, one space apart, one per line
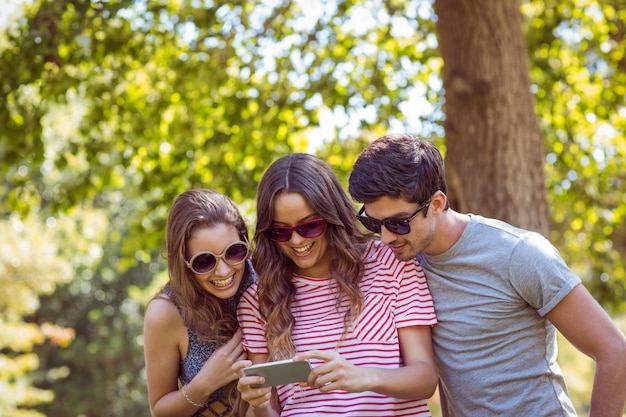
164 334
586 325
416 379
165 343
417 350
261 402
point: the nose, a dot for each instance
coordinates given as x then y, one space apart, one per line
222 269
296 238
386 236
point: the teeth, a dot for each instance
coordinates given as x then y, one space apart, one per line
222 282
303 248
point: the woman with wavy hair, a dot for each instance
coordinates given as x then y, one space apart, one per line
333 295
191 334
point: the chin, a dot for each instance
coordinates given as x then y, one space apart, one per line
405 256
223 294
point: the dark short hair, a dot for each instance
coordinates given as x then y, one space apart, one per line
398 166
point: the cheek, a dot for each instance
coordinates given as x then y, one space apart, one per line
240 269
423 234
284 249
322 246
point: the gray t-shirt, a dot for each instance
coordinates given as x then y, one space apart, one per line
495 350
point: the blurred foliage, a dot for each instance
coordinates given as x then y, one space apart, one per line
108 109
30 267
98 305
577 51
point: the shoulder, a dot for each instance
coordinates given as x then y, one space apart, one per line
379 257
161 312
487 224
376 251
250 295
519 247
165 335
502 228
507 235
252 289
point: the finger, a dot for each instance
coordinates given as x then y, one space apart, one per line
232 350
228 348
323 368
314 375
236 351
314 354
253 395
239 365
252 382
329 386
261 401
236 339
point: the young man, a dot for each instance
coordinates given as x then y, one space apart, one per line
500 293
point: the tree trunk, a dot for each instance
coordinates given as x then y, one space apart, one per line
495 154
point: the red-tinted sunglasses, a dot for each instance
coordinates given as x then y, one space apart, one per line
308 229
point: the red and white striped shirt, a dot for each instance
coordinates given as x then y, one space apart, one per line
395 295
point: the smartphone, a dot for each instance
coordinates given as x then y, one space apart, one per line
280 372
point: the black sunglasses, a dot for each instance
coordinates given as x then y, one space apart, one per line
309 230
204 262
396 226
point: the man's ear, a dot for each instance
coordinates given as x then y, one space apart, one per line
438 202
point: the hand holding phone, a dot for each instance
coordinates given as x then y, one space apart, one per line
280 372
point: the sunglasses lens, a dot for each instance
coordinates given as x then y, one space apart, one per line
308 230
236 253
370 224
311 229
279 234
204 263
398 229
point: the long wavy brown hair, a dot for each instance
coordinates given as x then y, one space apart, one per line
315 181
208 316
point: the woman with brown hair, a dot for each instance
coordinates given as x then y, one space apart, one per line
191 335
331 294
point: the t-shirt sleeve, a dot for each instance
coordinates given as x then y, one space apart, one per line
414 304
251 322
539 273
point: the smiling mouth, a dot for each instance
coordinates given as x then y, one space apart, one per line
222 282
303 249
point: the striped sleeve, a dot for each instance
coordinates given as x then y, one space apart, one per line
414 306
252 325
403 281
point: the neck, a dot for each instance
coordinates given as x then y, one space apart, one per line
449 228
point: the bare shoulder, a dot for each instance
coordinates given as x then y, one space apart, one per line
161 312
